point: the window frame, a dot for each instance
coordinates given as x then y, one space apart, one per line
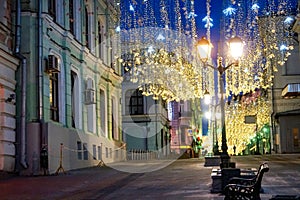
54 96
103 111
134 102
91 108
76 100
72 16
52 9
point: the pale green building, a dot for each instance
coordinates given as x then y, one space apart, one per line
68 86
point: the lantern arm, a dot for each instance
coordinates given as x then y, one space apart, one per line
205 64
225 68
222 69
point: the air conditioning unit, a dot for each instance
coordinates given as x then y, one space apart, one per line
90 96
53 66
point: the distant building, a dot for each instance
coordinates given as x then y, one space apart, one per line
182 131
146 127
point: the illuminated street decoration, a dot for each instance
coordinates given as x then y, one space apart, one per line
239 133
192 14
264 29
229 11
255 7
208 22
163 63
131 8
268 42
157 49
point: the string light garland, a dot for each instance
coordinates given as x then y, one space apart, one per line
158 53
268 41
160 59
239 133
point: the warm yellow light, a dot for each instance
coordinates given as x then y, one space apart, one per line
236 47
204 49
208 115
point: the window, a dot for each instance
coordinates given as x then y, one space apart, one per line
94 152
52 8
79 150
117 154
73 78
111 53
53 98
99 152
182 133
100 38
134 102
71 16
291 68
85 152
102 113
91 108
106 152
114 119
76 102
86 27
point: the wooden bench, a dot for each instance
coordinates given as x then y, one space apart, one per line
239 188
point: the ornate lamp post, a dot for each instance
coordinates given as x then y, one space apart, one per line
235 48
214 128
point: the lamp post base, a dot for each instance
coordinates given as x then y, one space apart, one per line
216 149
225 161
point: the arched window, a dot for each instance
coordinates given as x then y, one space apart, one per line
134 102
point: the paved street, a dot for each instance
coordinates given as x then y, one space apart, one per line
183 179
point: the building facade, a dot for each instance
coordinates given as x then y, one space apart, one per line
8 66
286 101
145 123
67 84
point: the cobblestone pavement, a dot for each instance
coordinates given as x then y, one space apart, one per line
183 179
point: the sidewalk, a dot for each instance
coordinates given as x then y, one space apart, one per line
183 179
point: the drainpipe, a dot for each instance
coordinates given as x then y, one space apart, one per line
40 59
23 83
273 128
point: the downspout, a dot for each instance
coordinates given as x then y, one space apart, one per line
40 59
23 84
273 128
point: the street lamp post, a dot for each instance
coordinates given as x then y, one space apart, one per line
215 138
235 48
213 107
